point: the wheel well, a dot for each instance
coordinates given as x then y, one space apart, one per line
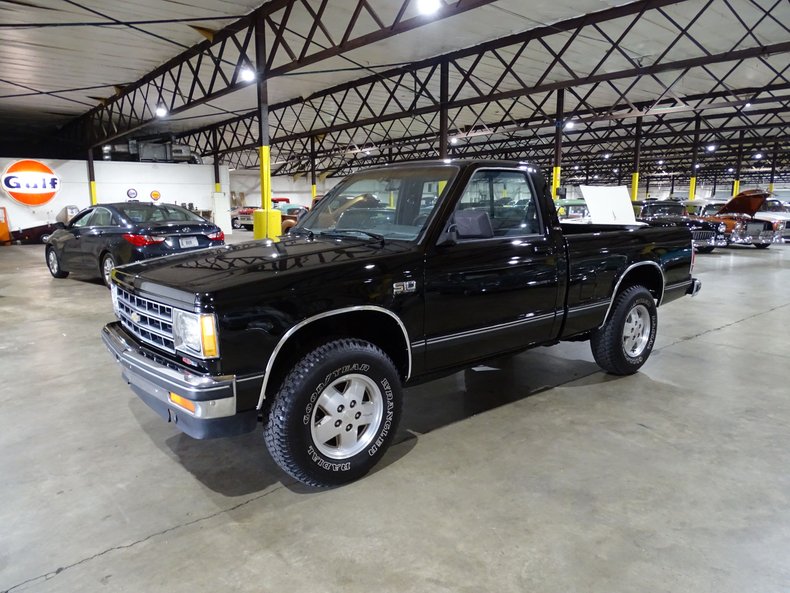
648 276
372 326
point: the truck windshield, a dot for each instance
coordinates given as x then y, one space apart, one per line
393 204
664 210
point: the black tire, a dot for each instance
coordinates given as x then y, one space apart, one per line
763 246
53 263
235 223
355 374
705 249
107 263
614 350
248 227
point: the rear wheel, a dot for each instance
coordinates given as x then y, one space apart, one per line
107 265
705 249
235 223
335 413
625 342
53 263
762 245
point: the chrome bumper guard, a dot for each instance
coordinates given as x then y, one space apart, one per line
694 287
214 398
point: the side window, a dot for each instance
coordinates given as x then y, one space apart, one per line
507 200
83 220
101 217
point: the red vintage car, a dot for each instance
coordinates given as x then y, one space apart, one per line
741 227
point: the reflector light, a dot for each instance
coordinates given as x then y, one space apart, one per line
182 402
208 335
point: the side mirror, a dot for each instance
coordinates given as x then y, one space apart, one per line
449 236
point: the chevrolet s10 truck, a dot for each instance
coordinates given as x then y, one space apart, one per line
316 335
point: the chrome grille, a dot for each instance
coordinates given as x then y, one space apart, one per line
148 320
703 235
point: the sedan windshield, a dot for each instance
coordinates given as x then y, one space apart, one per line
138 212
390 204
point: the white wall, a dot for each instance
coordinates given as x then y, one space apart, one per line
176 182
248 181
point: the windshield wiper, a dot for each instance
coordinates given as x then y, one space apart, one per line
343 232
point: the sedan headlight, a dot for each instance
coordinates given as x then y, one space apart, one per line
195 334
722 227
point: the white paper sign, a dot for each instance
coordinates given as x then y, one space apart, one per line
608 205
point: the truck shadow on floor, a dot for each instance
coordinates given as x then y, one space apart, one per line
241 465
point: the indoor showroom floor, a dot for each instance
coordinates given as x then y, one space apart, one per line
539 474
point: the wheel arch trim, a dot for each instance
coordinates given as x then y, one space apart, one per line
305 322
623 276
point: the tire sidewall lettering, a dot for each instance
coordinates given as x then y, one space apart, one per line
385 429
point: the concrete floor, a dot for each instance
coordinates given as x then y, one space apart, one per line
544 475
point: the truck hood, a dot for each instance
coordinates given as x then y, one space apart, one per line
747 202
210 270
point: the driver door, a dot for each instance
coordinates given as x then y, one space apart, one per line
71 255
496 289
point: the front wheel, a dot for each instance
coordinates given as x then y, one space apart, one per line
235 223
625 342
335 413
707 249
53 263
107 265
762 245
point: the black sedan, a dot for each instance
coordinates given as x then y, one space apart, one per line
108 235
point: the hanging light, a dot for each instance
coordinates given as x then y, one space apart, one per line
710 147
453 140
569 125
661 162
606 155
758 156
161 111
247 74
730 170
428 7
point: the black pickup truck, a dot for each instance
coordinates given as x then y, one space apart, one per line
375 289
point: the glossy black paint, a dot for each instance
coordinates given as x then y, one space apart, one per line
474 299
81 248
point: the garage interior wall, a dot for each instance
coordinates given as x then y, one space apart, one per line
298 189
176 183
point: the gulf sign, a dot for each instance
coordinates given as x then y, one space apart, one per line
29 182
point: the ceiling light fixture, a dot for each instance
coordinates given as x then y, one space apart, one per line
569 125
428 7
730 170
710 147
748 105
758 156
247 74
453 140
161 111
661 162
607 155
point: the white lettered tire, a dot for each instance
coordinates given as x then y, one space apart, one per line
335 414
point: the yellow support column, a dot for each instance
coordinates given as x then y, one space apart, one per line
634 186
94 200
217 187
770 188
267 222
692 187
736 187
313 191
555 182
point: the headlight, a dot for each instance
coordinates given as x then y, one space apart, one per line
779 225
195 334
722 227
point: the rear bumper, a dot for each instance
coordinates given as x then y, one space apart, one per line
213 398
694 287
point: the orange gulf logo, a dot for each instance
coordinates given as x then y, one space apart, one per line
30 182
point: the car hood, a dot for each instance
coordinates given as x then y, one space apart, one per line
214 269
747 202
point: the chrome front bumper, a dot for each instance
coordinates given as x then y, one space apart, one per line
213 398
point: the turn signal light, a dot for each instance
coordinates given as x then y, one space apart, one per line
182 402
218 236
142 240
208 334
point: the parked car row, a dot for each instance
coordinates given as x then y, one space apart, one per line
750 218
242 217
